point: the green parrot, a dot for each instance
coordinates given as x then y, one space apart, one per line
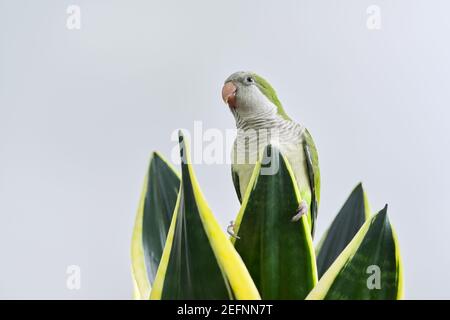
257 111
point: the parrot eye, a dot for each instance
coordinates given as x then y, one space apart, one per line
250 80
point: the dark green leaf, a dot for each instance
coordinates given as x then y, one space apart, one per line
343 228
199 262
152 222
277 252
369 267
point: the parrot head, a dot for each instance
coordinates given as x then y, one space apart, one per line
248 94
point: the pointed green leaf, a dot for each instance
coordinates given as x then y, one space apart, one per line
278 252
343 228
199 261
152 223
369 268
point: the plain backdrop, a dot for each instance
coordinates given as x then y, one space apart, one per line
81 111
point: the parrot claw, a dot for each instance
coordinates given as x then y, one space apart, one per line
302 209
230 230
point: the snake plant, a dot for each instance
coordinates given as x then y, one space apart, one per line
179 251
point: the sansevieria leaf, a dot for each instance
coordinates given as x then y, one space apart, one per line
278 252
199 261
343 228
152 223
369 268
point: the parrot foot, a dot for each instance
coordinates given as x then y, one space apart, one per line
302 209
230 230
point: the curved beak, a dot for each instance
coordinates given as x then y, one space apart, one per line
229 94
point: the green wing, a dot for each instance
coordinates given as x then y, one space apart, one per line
312 162
235 177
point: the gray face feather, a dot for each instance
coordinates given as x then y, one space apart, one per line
250 100
242 77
